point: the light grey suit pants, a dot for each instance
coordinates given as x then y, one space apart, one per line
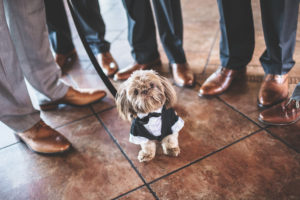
25 53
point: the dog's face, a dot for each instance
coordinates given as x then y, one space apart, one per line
144 92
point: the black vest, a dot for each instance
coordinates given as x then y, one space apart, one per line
168 117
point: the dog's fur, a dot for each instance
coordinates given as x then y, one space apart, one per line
144 92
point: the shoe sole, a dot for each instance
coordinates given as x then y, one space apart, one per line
281 124
55 106
43 153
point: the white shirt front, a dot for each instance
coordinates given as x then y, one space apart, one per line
154 127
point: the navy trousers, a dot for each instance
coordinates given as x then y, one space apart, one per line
91 21
279 19
141 29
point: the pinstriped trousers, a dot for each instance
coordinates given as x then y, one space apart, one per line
25 53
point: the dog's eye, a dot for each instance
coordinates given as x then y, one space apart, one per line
151 85
136 92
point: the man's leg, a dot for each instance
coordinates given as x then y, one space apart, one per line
141 30
27 24
60 33
16 108
237 33
88 12
170 28
141 37
236 45
91 21
58 27
279 18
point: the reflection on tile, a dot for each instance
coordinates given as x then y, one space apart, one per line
93 169
242 95
140 194
289 134
242 171
64 114
201 134
7 136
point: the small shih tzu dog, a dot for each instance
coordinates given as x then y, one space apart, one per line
146 99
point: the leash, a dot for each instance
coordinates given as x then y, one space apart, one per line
90 53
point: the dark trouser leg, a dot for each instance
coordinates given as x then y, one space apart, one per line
58 27
170 27
88 12
237 33
279 18
141 30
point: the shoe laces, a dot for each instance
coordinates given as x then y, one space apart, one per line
293 100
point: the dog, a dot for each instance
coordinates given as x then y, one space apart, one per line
146 99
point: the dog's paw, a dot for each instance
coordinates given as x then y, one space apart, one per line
145 157
172 151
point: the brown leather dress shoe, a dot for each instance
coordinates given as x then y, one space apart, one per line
220 81
76 98
273 90
125 73
182 75
43 139
285 113
66 60
108 63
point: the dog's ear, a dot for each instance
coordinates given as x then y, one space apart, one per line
170 93
124 106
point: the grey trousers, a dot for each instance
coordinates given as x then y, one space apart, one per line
25 53
296 93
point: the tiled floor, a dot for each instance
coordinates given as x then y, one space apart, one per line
225 152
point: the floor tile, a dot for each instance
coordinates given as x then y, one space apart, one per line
289 134
123 57
200 10
258 167
64 114
7 136
201 134
200 36
115 19
140 194
93 169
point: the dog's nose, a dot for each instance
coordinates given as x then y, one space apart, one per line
144 91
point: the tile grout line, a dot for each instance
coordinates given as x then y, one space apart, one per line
206 156
63 125
130 191
281 140
125 155
236 110
264 128
10 145
210 51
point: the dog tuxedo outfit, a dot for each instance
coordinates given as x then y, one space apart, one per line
155 125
